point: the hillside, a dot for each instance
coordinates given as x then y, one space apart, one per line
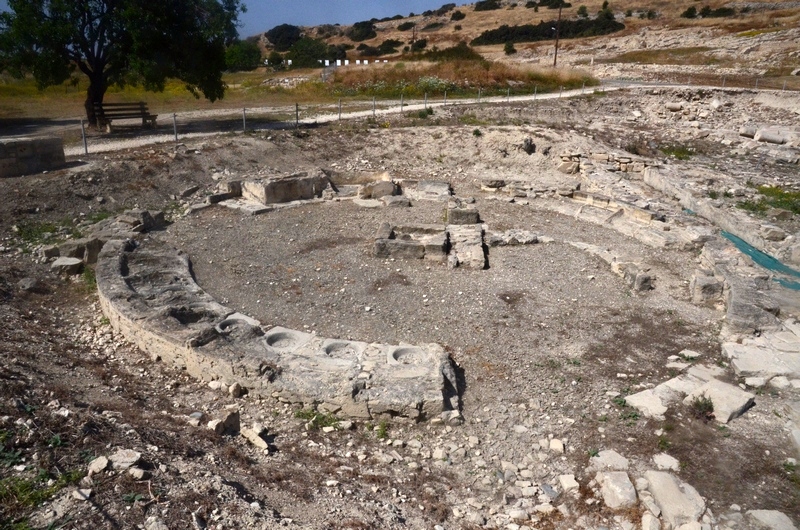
759 39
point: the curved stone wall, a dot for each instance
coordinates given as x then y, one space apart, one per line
148 293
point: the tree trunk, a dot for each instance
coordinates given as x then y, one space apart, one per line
94 95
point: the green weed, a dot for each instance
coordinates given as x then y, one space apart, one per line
317 420
681 152
382 432
18 492
663 443
702 408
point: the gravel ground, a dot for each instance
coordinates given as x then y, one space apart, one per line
545 339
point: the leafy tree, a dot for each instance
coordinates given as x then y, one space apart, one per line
405 26
583 12
284 36
118 42
242 56
458 15
307 52
419 45
691 12
705 12
605 6
362 31
275 59
487 5
509 48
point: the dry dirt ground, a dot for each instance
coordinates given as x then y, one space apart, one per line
545 339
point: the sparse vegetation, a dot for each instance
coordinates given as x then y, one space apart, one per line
457 15
317 420
487 5
569 29
772 197
681 152
702 408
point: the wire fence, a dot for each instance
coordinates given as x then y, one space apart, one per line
81 139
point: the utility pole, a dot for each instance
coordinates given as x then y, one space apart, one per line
558 30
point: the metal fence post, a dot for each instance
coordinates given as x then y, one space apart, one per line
723 81
560 92
535 89
296 115
756 83
401 103
508 95
340 109
445 98
583 88
373 106
175 125
426 101
479 94
83 135
244 120
784 86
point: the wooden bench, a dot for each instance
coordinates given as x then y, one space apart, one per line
108 112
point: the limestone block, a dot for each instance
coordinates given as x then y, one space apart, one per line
679 502
665 462
650 522
378 189
67 266
729 401
569 168
648 403
462 216
617 490
770 136
773 233
770 519
398 248
302 186
608 460
433 189
705 288
674 106
395 201
568 482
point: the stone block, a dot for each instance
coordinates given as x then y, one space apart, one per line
67 266
679 502
395 201
302 186
770 520
705 288
608 460
378 189
462 216
398 248
617 489
569 168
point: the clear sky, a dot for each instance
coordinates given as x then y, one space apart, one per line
263 15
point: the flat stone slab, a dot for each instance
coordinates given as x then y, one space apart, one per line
730 401
761 360
617 490
679 502
608 460
770 519
648 402
149 295
246 207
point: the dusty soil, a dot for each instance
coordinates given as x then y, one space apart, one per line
545 339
